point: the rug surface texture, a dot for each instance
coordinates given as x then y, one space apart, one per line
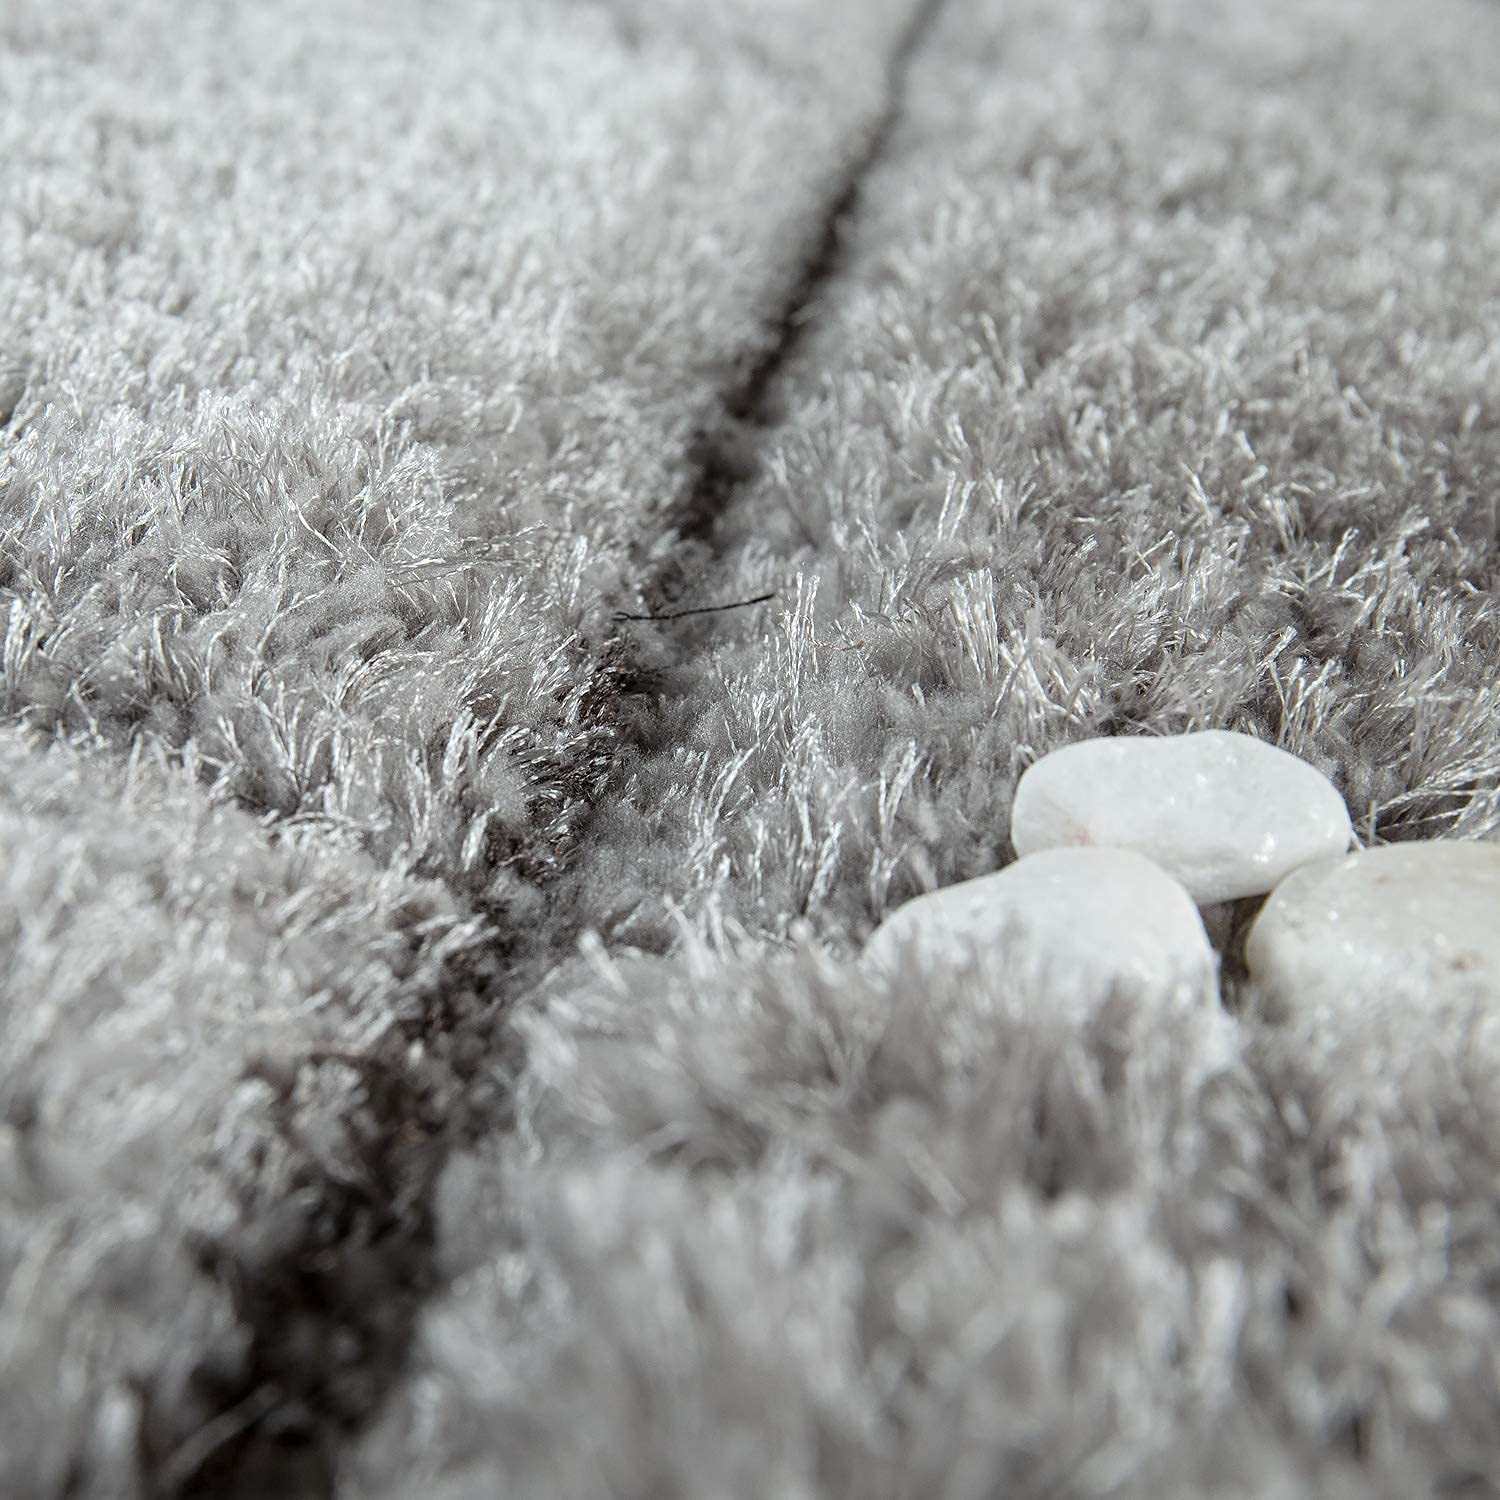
527 531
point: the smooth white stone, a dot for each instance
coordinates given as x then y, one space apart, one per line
1414 923
1227 814
1091 919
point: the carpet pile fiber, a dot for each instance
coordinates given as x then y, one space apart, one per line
433 1056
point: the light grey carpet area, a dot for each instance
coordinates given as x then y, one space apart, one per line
526 530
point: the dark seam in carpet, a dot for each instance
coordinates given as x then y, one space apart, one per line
327 1284
331 1302
721 461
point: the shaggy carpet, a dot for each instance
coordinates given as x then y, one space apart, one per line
528 530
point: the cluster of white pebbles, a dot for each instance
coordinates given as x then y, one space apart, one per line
1124 844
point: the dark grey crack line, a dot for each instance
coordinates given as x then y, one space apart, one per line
721 461
272 1425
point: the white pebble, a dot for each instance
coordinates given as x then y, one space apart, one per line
1227 814
1093 919
1405 923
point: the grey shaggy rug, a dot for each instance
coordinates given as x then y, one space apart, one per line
528 529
